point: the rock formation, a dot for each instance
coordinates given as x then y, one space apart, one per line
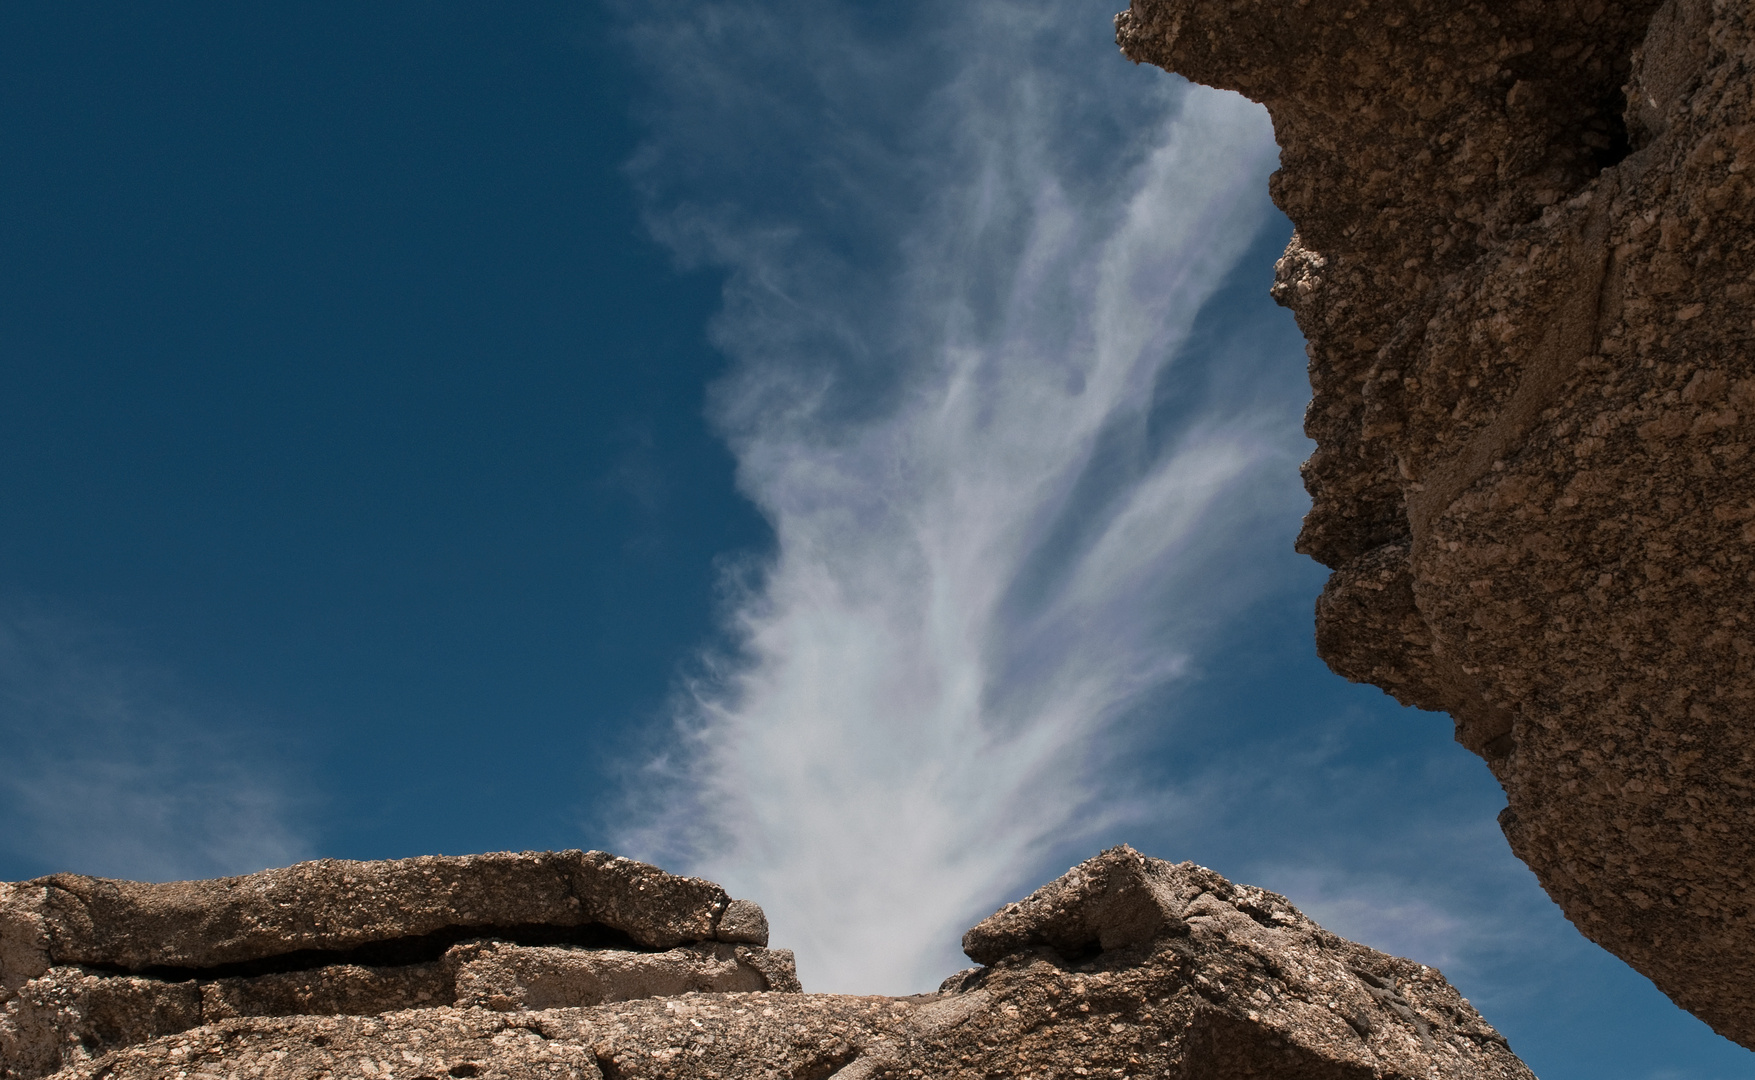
570 964
89 965
1525 268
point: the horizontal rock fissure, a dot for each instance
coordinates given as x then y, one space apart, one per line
394 952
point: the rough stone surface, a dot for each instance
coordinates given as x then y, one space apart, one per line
1113 901
70 1014
505 977
389 910
429 1044
778 967
89 965
1126 966
1525 266
743 922
346 989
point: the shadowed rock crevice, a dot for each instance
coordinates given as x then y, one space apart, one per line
395 952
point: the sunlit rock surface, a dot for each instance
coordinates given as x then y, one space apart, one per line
1524 267
89 965
1125 966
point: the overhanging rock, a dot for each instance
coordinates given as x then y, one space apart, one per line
1525 266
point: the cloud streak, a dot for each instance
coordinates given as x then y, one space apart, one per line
107 773
966 252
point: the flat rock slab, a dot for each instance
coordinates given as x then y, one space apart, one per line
72 1014
431 1044
394 911
504 977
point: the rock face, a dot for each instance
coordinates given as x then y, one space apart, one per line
1525 266
1126 966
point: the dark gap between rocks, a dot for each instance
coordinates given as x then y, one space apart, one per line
1620 138
826 1066
395 952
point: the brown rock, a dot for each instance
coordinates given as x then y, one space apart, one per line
1168 971
88 965
66 1016
743 922
429 1044
24 937
1530 303
1118 899
778 967
342 989
387 911
70 1014
504 977
1234 979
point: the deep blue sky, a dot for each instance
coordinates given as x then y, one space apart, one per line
340 376
358 479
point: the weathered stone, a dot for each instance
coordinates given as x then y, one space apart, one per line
504 977
428 1044
1235 976
66 1016
335 989
24 938
69 1015
388 911
1530 305
778 967
1125 966
1117 899
743 923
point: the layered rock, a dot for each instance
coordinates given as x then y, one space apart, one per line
334 906
1525 266
90 965
1126 966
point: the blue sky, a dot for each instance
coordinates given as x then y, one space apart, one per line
844 450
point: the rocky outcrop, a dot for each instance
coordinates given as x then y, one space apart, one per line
1237 981
375 908
90 965
1126 966
1525 266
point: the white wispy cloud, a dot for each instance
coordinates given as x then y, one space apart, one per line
1445 918
108 771
966 248
1032 520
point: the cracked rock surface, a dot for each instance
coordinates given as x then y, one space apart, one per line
1125 966
1525 267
